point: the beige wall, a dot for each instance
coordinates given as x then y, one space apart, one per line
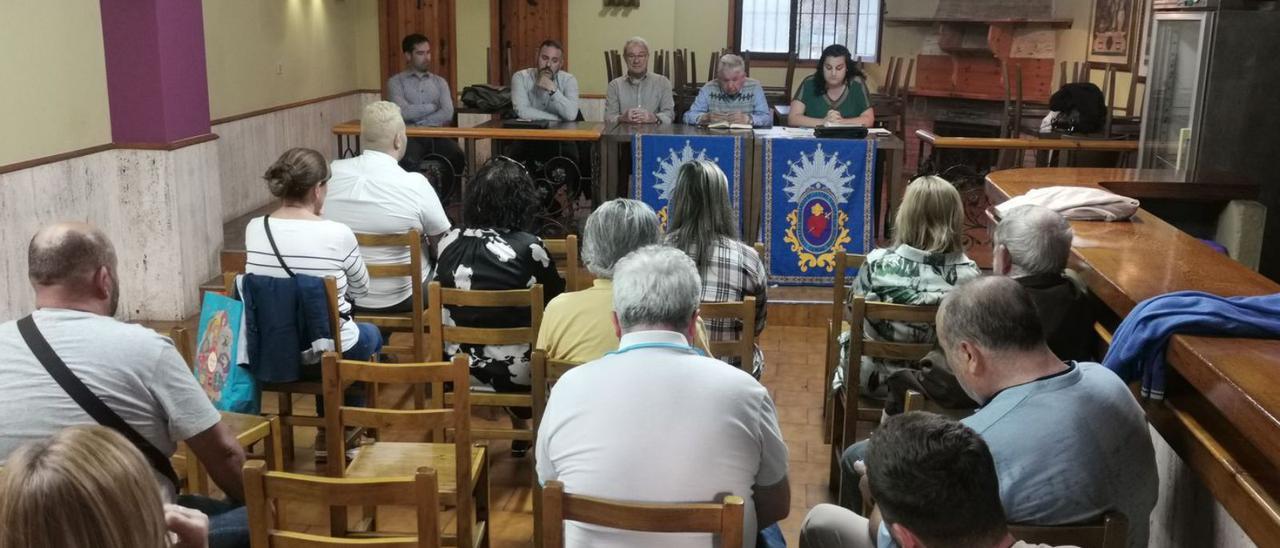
54 93
267 53
472 27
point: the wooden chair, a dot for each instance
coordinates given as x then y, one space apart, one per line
463 467
847 407
723 519
1111 531
412 322
744 348
839 292
285 391
439 297
544 373
265 492
565 254
915 401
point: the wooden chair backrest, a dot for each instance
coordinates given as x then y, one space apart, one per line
543 373
862 309
339 374
744 347
608 67
723 519
330 290
439 297
263 491
839 291
412 270
789 81
565 254
1111 531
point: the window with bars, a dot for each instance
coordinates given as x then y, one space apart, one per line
767 27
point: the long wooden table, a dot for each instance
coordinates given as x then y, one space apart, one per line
348 135
1221 411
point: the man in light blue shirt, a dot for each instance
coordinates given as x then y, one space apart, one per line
425 101
1069 441
545 92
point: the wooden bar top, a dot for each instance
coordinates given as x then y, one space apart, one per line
564 131
1233 384
995 143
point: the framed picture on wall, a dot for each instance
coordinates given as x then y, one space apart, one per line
1113 34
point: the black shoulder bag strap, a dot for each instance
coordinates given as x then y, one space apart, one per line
266 226
89 401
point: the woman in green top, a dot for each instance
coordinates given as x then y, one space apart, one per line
833 95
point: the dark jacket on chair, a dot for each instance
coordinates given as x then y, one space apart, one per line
286 325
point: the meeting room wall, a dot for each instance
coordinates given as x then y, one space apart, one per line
52 65
281 74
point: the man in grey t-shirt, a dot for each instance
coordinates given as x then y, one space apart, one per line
137 373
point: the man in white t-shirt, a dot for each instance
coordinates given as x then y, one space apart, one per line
372 194
137 373
656 421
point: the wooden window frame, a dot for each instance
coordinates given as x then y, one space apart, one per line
772 59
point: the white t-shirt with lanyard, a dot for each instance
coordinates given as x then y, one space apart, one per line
655 421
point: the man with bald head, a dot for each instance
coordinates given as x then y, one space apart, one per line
134 371
1069 440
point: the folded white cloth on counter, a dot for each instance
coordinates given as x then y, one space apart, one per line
1076 203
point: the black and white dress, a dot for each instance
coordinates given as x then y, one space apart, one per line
488 259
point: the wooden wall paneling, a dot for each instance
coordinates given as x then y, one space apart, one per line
520 27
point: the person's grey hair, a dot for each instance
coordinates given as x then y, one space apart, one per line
68 253
614 229
633 41
656 286
730 61
993 312
1038 239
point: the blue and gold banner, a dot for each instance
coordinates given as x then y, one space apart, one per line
817 201
657 160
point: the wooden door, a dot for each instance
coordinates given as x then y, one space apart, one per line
518 28
433 18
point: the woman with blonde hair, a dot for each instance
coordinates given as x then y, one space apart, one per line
925 260
702 225
88 486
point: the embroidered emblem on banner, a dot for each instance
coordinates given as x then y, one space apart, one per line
669 169
818 184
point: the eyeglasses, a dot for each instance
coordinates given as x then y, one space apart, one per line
510 160
632 57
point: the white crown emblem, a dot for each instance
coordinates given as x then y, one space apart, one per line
818 169
669 167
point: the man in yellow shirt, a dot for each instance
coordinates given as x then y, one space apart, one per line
578 326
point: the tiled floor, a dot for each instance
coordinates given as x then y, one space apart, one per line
794 378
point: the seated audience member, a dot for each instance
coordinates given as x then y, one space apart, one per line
294 240
1032 244
371 194
424 100
834 95
731 98
935 484
497 251
702 225
1040 415
577 326
924 262
88 486
545 92
639 96
136 373
655 421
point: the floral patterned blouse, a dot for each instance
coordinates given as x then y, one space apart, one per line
491 259
901 275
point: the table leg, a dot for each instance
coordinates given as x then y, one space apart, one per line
893 188
607 184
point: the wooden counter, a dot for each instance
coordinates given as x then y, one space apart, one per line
1222 407
564 131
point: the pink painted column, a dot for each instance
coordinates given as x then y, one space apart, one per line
156 81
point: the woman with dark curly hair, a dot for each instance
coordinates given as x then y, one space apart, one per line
834 95
495 250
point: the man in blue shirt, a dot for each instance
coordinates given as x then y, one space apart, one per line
1069 441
